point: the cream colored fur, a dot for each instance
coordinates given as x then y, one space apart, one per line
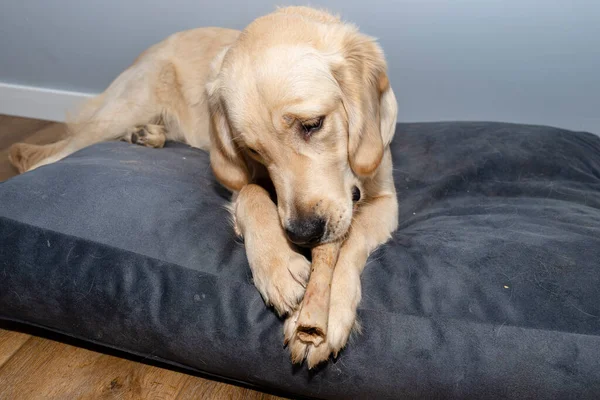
245 97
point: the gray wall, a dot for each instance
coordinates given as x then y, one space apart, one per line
535 61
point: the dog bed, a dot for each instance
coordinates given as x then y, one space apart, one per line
490 287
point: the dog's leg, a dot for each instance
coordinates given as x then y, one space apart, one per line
279 272
23 155
372 226
137 97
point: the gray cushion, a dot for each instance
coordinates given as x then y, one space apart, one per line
489 288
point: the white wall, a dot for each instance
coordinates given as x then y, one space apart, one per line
533 61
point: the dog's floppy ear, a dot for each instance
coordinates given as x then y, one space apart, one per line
361 72
226 161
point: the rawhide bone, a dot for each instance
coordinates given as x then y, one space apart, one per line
311 325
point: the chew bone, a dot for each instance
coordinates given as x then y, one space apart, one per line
311 325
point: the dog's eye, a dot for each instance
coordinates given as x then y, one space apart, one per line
355 194
253 152
312 125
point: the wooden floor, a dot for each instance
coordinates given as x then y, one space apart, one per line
35 367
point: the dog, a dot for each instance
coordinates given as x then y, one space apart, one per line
299 97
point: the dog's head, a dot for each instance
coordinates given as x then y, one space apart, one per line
308 97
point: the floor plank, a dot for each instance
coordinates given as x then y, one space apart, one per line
12 129
33 367
47 132
41 369
10 343
47 369
207 390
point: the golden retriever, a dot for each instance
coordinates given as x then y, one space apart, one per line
298 97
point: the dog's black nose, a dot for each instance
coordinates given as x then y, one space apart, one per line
306 231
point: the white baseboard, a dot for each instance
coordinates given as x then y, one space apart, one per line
37 102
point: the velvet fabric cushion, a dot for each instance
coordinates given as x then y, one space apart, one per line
490 288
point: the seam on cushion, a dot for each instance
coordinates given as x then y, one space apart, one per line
76 162
244 383
116 248
409 222
152 258
152 357
361 309
491 325
495 125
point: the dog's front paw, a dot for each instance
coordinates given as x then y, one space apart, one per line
280 275
341 324
342 321
297 347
